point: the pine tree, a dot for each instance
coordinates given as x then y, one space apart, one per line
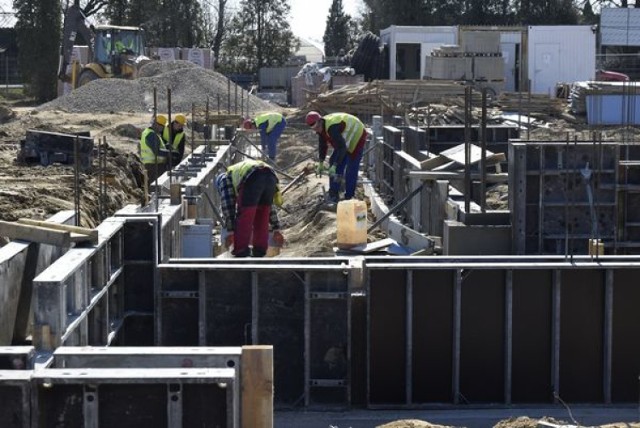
336 34
259 36
38 29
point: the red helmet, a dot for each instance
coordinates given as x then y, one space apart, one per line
312 118
247 124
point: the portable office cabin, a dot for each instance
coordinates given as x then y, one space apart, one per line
562 53
409 46
537 55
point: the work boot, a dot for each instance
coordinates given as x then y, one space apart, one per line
243 253
258 252
333 197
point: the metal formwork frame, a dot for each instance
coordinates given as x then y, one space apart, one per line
15 393
56 392
73 286
254 290
586 297
155 357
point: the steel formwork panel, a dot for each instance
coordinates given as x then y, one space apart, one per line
133 397
153 357
235 303
16 357
562 195
519 330
15 393
69 289
442 137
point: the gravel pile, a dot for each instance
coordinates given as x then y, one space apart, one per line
189 85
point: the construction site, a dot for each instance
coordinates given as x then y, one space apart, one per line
496 286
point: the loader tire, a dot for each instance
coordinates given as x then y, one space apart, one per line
87 76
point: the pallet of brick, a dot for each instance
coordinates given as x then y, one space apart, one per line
447 51
488 68
480 42
448 68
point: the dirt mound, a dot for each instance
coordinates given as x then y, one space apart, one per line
411 423
525 422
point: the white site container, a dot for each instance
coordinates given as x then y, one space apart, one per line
619 26
560 53
429 38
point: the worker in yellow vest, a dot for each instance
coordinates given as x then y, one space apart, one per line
249 191
175 139
270 125
347 135
153 152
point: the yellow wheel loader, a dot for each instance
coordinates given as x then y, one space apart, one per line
114 51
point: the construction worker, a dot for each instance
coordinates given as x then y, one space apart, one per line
152 149
247 190
271 125
347 135
175 139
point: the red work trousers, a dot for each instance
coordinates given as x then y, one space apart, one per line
255 197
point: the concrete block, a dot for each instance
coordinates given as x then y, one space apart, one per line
460 239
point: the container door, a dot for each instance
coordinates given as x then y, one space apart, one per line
509 55
546 68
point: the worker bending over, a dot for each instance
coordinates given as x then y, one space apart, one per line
247 190
153 152
175 139
347 135
271 125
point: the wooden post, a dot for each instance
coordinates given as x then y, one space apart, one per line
596 247
257 386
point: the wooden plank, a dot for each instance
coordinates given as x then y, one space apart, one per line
433 163
257 386
35 234
457 154
452 175
78 234
372 246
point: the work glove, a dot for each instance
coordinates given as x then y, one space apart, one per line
320 169
332 170
278 239
277 198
